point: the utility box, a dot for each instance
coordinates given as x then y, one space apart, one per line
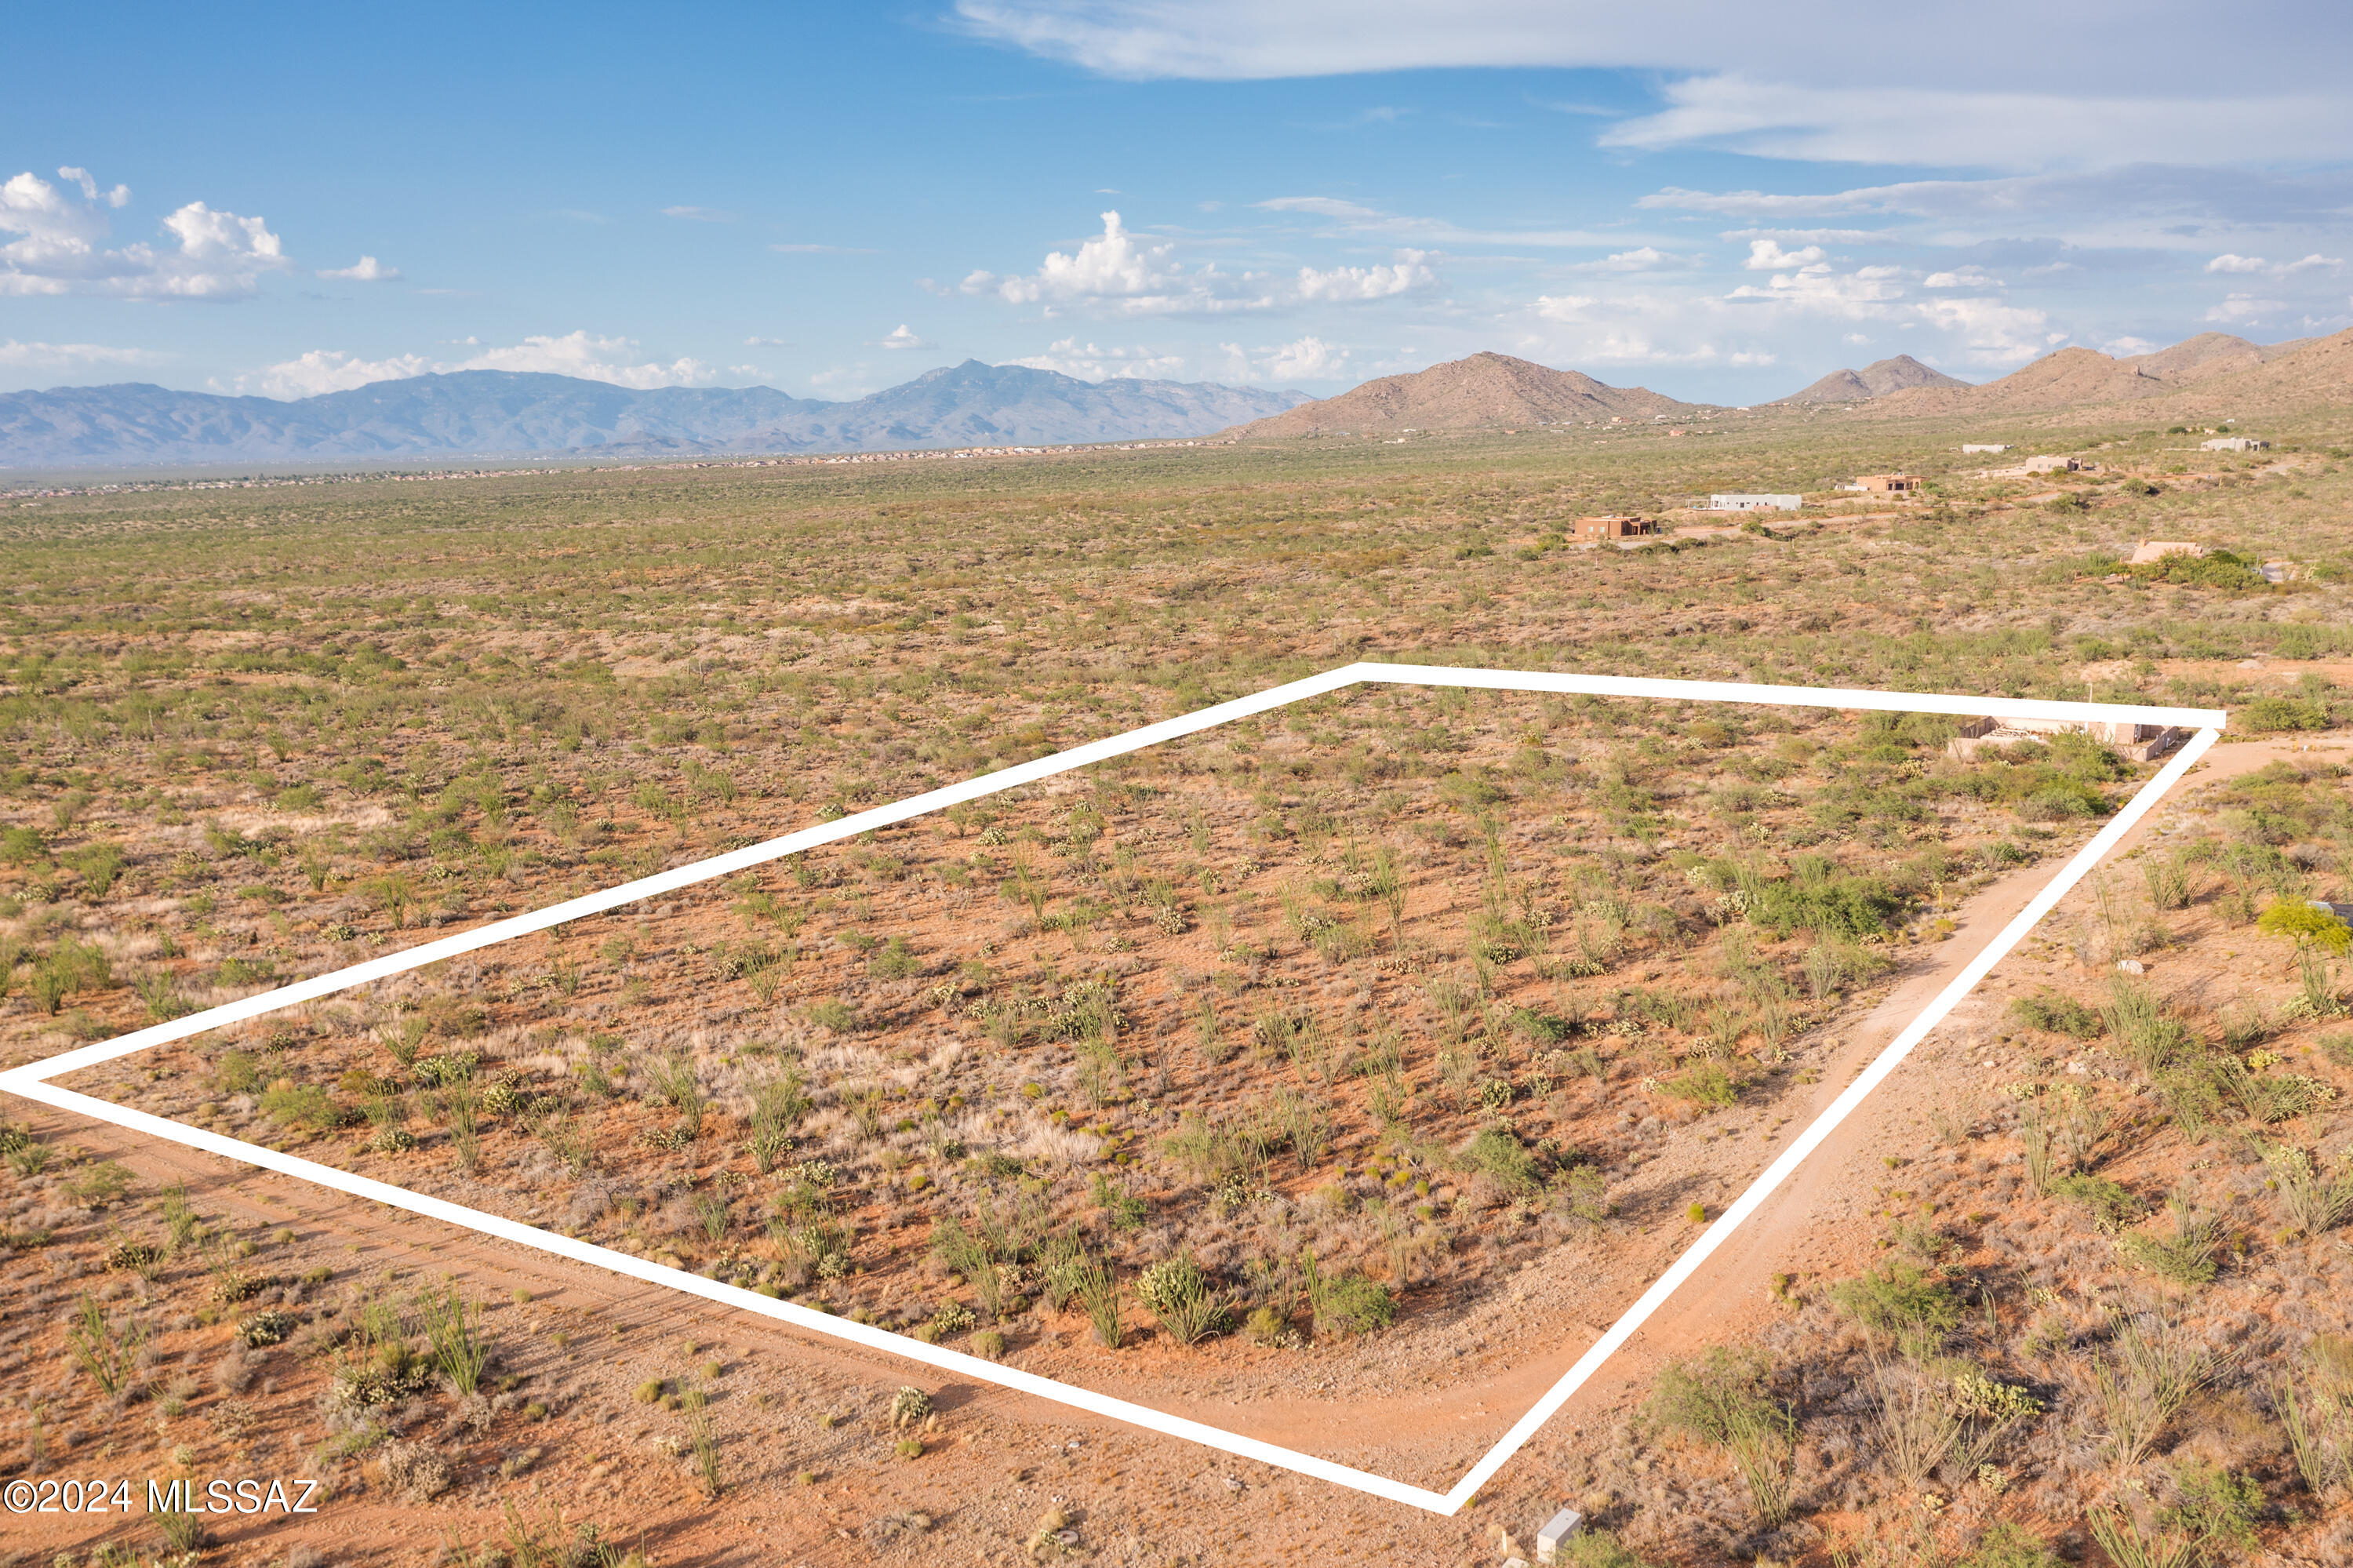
1565 1523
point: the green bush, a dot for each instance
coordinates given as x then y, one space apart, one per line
2008 1546
2270 715
1705 1082
1838 905
835 1015
2215 570
2056 1015
2114 1207
1498 1154
1600 1549
1898 1299
236 1073
1346 1303
298 1105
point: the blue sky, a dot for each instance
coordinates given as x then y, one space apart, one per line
1720 202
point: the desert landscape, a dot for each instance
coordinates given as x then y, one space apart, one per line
1333 1076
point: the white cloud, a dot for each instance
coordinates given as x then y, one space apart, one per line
1990 331
119 196
1088 362
1643 258
1564 307
1754 82
2315 262
904 336
594 358
1764 255
1406 274
1308 358
767 343
217 255
1802 236
366 270
1816 287
1348 218
1118 273
1961 277
330 370
71 355
580 354
1909 123
2244 310
2126 347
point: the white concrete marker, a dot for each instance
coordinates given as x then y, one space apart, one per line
32 1080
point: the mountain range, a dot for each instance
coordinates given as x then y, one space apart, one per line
492 412
2082 378
2212 375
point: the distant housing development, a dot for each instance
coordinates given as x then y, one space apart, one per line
1985 447
1755 503
1886 483
2234 444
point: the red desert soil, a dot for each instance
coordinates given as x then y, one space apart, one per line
1805 1231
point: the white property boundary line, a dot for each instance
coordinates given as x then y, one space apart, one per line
32 1080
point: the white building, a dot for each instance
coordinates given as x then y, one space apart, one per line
1755 503
1984 446
2234 444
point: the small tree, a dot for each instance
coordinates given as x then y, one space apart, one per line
2319 936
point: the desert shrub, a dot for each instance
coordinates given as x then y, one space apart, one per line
2112 1207
413 1472
835 1015
458 1346
2312 1199
2306 924
2151 1037
263 1328
1834 902
299 1105
1498 1154
2187 1257
2152 1368
1706 1083
1900 1300
1599 1549
2009 1546
2214 569
988 1345
1182 1298
1345 1303
2056 1014
2273 714
1096 1287
1721 1399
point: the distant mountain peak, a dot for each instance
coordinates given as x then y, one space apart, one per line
1875 380
1478 391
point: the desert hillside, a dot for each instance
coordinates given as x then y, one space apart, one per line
2084 377
1482 391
